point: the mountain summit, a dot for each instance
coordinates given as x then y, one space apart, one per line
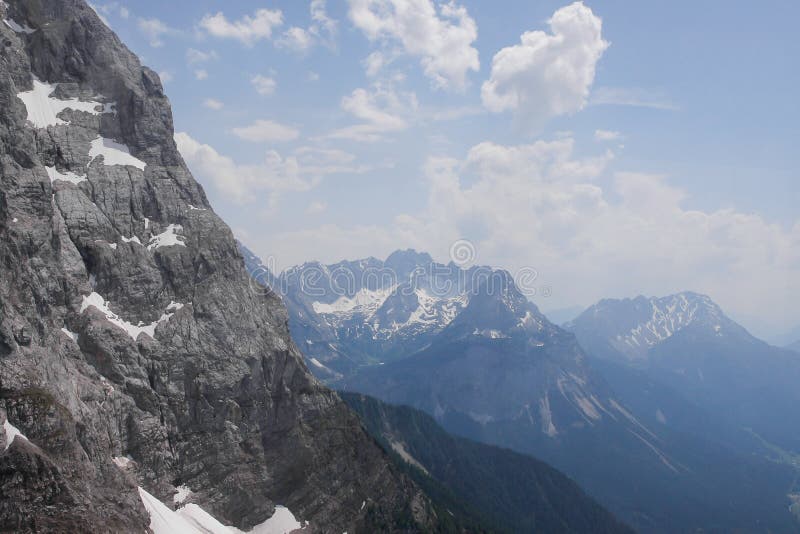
631 327
686 342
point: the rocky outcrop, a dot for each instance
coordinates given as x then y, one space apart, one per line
134 350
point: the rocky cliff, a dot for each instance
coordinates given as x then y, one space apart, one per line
133 348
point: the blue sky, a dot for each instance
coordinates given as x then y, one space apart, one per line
628 147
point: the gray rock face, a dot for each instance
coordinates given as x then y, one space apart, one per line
129 328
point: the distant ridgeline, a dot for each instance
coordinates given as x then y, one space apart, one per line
641 418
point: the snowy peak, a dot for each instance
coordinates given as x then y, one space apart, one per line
497 309
372 311
633 326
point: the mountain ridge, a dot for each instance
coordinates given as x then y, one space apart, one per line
515 491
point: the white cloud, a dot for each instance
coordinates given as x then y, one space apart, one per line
165 75
312 76
264 85
381 110
322 29
154 29
212 103
266 131
455 113
316 207
322 23
538 205
607 135
442 38
547 74
636 97
123 12
248 30
239 182
300 171
296 39
195 57
374 63
201 74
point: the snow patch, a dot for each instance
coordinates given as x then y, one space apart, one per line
191 519
133 239
94 299
43 110
113 153
72 335
12 433
183 493
168 238
68 176
192 208
364 300
122 461
19 28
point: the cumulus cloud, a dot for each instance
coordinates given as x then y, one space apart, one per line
239 182
165 75
297 39
300 171
248 30
442 38
264 85
212 103
266 131
547 74
381 110
201 74
539 205
155 30
322 29
374 63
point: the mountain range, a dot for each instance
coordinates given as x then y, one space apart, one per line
494 369
687 343
513 492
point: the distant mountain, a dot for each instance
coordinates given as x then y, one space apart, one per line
686 342
514 492
467 347
365 312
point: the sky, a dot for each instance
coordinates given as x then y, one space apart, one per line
612 148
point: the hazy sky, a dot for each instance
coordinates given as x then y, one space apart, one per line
616 147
